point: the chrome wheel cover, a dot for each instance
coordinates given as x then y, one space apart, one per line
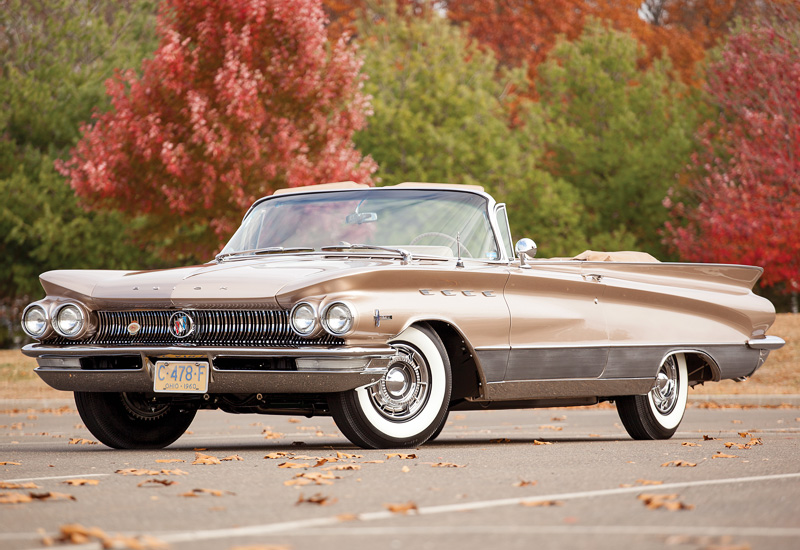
404 390
665 392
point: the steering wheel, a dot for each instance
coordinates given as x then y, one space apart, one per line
453 240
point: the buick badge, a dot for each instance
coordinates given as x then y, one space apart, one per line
180 324
134 328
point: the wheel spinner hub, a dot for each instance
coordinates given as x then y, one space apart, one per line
403 390
665 391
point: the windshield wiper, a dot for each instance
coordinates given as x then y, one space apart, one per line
260 251
405 254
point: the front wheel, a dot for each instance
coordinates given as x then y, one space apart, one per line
132 420
657 414
408 405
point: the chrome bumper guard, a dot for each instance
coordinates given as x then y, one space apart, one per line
319 369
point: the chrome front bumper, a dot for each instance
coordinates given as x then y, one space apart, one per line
319 370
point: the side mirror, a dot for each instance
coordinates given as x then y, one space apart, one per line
525 248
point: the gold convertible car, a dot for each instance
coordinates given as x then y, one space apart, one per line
386 308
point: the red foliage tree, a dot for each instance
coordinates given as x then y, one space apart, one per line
240 98
748 189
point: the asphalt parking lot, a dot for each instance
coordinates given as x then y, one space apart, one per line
554 478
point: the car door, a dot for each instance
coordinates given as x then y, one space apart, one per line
558 329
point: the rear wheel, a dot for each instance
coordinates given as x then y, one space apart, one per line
658 414
408 405
132 420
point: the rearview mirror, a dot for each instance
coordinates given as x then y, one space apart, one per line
357 218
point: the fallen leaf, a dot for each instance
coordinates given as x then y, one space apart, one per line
344 467
736 421
524 483
649 482
537 503
294 465
709 438
447 465
537 442
204 459
348 517
78 534
10 463
402 508
26 485
173 473
52 495
82 441
744 435
549 427
401 456
558 418
276 455
668 502
168 460
235 458
317 499
756 441
307 478
14 498
720 454
78 482
373 462
164 482
405 469
689 444
503 440
213 492
271 435
679 464
321 462
347 455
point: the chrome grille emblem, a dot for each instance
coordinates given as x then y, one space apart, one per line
181 324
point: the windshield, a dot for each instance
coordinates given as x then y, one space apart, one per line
424 222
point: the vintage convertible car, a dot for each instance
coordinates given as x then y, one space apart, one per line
386 308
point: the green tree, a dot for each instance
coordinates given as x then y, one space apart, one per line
54 58
442 115
617 133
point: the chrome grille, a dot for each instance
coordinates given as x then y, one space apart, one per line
235 328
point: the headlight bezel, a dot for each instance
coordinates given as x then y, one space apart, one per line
314 329
47 321
81 323
349 325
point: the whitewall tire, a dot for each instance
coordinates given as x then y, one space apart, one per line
408 405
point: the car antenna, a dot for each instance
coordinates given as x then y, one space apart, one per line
459 262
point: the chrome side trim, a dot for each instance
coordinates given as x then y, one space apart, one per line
550 389
768 342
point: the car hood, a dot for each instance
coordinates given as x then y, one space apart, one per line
245 283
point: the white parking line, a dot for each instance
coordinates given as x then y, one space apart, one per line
76 476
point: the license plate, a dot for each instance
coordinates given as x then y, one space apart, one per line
181 377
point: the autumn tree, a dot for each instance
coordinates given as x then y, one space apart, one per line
519 31
54 57
240 98
441 114
743 204
616 133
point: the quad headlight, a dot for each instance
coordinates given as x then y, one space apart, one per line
69 320
338 318
303 318
35 321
